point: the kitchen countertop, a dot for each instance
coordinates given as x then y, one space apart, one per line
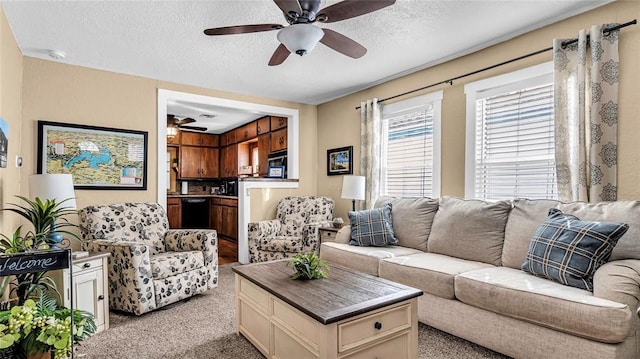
203 195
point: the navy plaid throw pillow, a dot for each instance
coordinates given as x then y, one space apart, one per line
372 227
569 251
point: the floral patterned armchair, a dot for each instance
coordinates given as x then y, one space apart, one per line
294 230
150 265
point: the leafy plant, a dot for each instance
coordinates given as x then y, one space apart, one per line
45 216
308 266
40 326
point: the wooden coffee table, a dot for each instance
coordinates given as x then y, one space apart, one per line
348 315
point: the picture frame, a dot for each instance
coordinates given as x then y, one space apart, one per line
275 172
99 158
340 161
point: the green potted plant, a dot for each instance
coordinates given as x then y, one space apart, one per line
42 327
308 266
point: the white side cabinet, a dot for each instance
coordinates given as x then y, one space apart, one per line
90 287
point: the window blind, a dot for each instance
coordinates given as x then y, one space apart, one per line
408 154
515 145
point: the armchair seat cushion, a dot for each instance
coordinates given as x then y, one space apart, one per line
282 244
168 264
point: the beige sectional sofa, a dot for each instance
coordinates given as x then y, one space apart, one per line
466 257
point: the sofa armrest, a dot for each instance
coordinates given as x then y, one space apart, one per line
130 278
344 235
310 235
257 231
205 240
619 281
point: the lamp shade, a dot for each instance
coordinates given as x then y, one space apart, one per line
353 187
53 186
300 38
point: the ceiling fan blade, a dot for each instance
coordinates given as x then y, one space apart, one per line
241 29
184 121
351 8
279 55
342 44
195 128
289 6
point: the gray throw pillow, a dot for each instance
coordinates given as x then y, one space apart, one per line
372 227
569 251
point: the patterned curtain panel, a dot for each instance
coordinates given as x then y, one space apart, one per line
586 116
370 149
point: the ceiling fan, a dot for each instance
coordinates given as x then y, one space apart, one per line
173 122
301 36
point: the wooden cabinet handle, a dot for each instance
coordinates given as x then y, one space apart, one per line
86 265
246 134
281 140
378 325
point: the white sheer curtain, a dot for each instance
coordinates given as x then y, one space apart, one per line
371 149
586 116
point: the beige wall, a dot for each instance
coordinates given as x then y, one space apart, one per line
339 122
72 94
10 111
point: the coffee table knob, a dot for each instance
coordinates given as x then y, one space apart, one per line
378 325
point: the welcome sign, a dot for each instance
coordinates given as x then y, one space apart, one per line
44 261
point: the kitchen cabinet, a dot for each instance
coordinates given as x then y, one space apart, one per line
198 139
229 161
198 162
174 140
264 147
278 122
263 125
228 138
278 139
224 217
174 212
247 132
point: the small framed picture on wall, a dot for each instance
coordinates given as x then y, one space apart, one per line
276 172
340 161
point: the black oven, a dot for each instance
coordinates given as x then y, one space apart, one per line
195 213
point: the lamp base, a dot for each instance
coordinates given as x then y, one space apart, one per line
353 204
53 240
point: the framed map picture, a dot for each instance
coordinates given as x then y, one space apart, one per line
96 157
340 161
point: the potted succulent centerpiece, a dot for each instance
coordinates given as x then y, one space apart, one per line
308 266
35 324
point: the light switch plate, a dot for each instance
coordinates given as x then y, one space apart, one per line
18 161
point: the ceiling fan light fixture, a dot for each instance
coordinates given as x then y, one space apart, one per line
300 38
172 131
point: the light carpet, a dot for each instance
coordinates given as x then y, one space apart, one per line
204 328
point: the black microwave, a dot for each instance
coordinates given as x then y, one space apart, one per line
278 158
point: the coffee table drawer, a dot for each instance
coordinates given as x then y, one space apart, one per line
394 348
253 293
373 327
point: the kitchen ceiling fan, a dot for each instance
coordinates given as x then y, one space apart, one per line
173 121
301 36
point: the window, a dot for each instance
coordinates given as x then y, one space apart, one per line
510 136
411 147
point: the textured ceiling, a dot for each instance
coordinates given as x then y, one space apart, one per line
164 40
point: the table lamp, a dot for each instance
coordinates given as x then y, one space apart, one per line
58 187
353 188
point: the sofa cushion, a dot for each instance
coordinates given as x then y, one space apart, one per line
412 219
372 227
628 246
168 264
569 251
519 295
469 229
524 219
362 259
431 272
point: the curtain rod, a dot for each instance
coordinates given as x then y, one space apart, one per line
606 31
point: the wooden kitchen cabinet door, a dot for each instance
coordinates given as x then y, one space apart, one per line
230 222
279 140
247 132
174 213
216 217
190 162
278 122
209 162
264 125
264 147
